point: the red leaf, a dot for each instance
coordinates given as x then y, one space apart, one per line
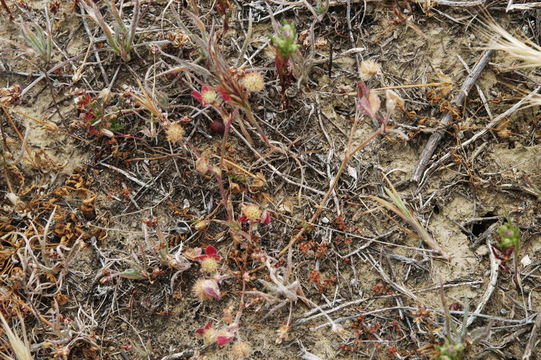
243 219
202 330
221 340
197 96
224 95
211 251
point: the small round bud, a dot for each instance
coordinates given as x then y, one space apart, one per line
252 212
253 81
175 132
209 265
369 69
217 127
206 289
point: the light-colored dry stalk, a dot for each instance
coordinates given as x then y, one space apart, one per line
401 209
20 347
523 50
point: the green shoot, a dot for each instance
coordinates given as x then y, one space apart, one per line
120 37
38 39
285 41
509 235
285 45
454 345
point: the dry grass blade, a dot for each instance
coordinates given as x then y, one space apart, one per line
19 347
523 50
38 39
400 208
527 52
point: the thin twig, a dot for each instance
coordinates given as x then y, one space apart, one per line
494 266
458 101
131 177
491 125
530 347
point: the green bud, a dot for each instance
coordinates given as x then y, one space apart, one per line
509 234
286 40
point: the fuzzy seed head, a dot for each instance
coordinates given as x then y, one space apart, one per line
253 81
206 289
209 96
241 349
174 132
252 212
369 68
209 265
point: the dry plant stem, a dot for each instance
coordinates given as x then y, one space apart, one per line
181 355
20 346
494 123
17 131
399 208
53 69
255 123
526 321
526 6
453 2
530 347
43 240
309 315
494 266
225 198
329 192
333 3
458 101
274 169
245 132
132 178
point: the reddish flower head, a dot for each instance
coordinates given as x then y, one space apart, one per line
207 95
223 337
206 289
209 260
210 252
211 335
205 328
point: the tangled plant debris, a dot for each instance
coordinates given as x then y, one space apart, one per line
232 179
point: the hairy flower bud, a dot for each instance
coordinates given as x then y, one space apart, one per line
252 212
253 81
209 265
206 289
175 132
369 69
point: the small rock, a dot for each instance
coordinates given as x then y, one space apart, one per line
482 250
525 261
